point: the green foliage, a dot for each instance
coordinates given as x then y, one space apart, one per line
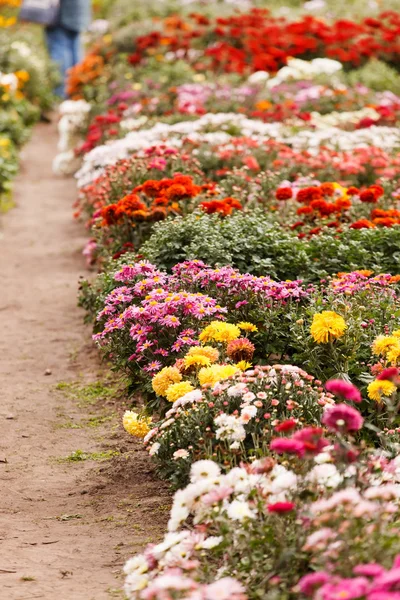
253 243
376 75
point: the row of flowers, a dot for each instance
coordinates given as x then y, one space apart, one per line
241 190
25 89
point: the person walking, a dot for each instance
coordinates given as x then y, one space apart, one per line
64 37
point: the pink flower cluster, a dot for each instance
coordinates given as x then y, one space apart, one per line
370 582
356 281
161 313
174 583
195 272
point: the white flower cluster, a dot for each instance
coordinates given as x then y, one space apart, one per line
196 130
209 492
9 80
73 115
326 132
297 69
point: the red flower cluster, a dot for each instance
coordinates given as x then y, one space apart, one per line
162 197
102 128
258 41
225 206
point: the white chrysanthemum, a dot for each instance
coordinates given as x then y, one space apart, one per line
229 428
258 78
283 480
154 448
136 564
326 475
236 390
247 413
189 398
204 469
135 583
212 542
239 510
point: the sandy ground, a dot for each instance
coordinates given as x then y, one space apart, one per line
66 528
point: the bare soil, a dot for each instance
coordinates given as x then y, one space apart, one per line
66 527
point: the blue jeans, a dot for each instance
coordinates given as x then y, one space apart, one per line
65 49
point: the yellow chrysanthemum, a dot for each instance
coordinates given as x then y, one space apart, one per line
211 375
196 360
379 388
136 425
393 355
177 390
208 351
166 377
384 343
243 365
396 333
327 326
245 326
219 331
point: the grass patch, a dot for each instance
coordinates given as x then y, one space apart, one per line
80 455
90 393
97 421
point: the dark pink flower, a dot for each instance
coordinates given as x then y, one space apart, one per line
312 439
351 589
310 583
287 446
343 389
390 373
286 425
281 507
369 570
342 418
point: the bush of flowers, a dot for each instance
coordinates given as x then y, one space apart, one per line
296 523
267 147
152 318
233 420
25 89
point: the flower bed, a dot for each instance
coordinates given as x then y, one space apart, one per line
267 376
25 90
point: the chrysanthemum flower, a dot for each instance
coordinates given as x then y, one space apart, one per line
240 349
166 377
136 425
327 326
393 354
344 389
243 365
384 343
219 331
208 351
196 360
245 326
211 375
342 418
379 388
177 390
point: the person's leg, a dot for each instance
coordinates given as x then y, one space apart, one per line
72 53
77 48
57 43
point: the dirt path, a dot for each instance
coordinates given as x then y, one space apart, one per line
66 527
